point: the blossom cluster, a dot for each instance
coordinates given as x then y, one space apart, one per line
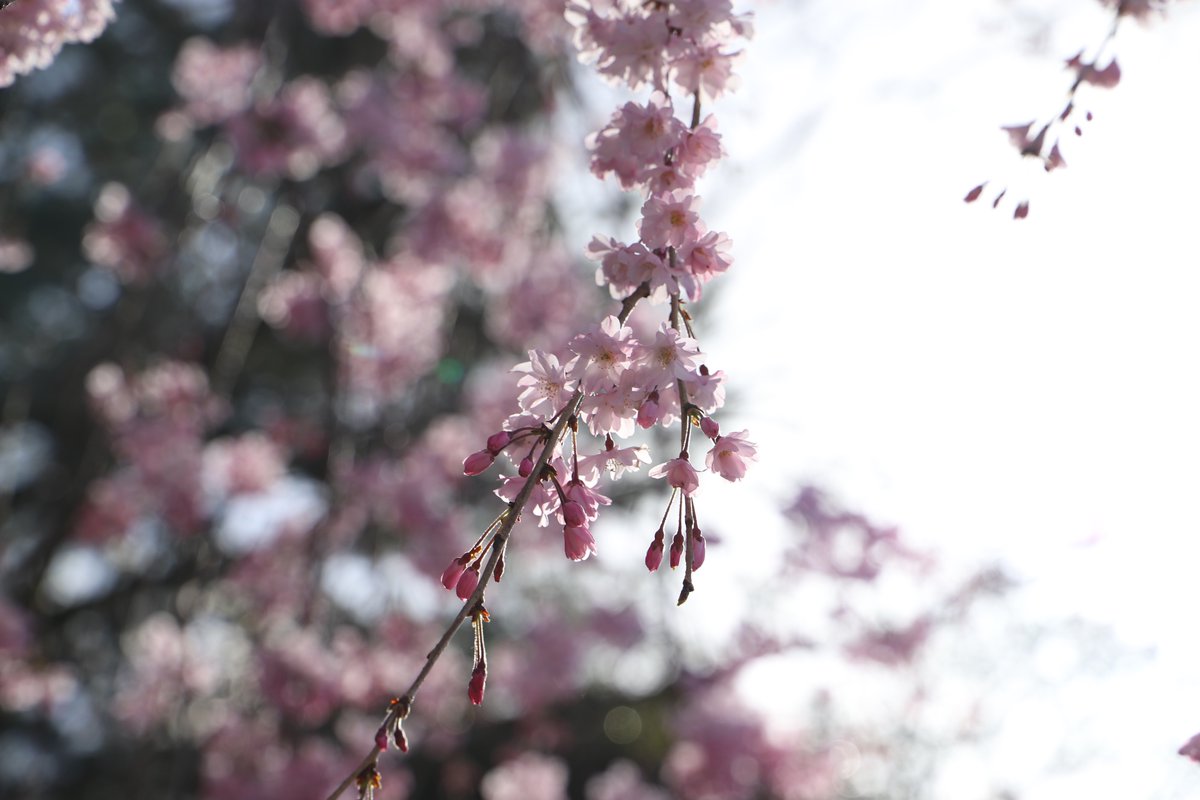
1041 140
608 379
32 32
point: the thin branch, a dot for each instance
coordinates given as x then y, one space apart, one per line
685 429
401 709
239 335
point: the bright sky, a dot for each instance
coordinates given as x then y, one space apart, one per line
1023 390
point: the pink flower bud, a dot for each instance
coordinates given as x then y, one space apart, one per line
973 195
498 572
477 462
478 679
526 468
654 553
453 572
498 441
698 548
676 550
401 740
710 427
381 738
574 515
467 583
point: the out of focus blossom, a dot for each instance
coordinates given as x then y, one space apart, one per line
123 238
15 254
32 32
292 135
214 82
529 776
623 781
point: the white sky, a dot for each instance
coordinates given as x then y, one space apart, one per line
1022 390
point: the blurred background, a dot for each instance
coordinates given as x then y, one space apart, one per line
264 268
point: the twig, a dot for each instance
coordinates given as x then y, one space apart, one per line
239 335
399 710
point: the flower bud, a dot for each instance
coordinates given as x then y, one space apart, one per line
477 462
654 553
478 679
453 572
710 427
381 738
648 413
401 740
498 441
698 548
676 550
467 583
526 468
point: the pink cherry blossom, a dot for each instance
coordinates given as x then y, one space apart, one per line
707 70
573 514
604 353
667 357
546 383
699 148
578 542
625 267
588 499
670 220
729 455
614 461
706 389
679 473
635 140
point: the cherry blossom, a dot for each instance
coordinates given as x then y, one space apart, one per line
729 455
32 34
679 473
669 220
578 542
546 383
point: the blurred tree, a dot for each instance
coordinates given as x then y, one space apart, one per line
266 268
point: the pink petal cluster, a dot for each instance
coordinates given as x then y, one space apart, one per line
123 238
33 33
214 81
294 134
729 455
679 473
